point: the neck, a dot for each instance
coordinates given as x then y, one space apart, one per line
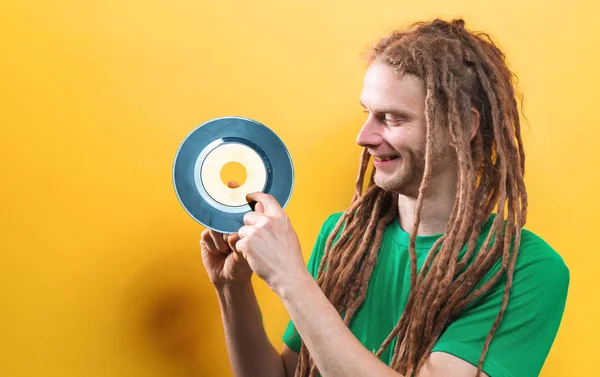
436 210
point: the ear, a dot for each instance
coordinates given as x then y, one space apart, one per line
475 125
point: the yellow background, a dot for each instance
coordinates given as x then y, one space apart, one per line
100 271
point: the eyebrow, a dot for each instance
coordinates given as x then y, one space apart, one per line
390 110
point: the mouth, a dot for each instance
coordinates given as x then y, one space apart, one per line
385 160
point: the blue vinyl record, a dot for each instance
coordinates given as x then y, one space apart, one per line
203 153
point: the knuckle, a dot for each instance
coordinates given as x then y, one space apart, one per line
273 219
204 246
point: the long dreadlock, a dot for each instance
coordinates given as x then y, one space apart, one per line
461 70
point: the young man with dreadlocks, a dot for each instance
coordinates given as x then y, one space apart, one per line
428 272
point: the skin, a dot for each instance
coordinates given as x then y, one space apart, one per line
268 246
396 125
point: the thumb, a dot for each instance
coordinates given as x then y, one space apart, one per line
268 203
260 208
257 206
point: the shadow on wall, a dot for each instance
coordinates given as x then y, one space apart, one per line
170 313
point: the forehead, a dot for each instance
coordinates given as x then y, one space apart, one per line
384 89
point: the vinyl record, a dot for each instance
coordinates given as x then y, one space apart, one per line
204 152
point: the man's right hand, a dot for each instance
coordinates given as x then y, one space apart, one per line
223 263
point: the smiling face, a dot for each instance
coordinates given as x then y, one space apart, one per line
395 130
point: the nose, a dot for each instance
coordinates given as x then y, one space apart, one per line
370 134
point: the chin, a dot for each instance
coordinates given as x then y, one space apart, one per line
399 184
393 184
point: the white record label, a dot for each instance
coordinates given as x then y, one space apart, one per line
211 173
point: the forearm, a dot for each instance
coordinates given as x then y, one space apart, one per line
335 350
250 351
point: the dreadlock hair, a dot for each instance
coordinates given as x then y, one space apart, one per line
461 70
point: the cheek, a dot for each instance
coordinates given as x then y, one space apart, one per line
404 141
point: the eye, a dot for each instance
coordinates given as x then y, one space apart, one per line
392 119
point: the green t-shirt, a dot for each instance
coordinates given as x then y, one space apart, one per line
529 325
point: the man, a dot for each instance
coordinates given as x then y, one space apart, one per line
419 276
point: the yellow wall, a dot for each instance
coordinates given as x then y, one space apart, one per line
100 272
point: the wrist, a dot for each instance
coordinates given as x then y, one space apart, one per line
232 290
294 285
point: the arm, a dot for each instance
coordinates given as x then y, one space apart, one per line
290 360
250 352
335 350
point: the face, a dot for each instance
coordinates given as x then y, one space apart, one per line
395 130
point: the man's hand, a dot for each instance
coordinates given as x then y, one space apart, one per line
270 244
223 263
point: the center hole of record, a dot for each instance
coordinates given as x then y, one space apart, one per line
233 172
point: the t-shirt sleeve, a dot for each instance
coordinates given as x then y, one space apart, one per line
530 322
290 336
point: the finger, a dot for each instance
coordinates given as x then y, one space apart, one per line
207 243
245 231
218 240
253 218
232 240
232 184
226 239
241 246
268 202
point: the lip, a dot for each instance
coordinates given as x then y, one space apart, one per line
379 163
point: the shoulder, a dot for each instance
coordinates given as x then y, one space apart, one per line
330 223
327 227
539 267
535 252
